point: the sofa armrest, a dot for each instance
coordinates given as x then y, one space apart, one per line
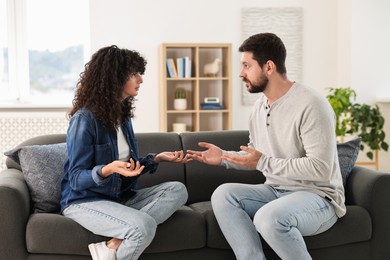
14 213
371 190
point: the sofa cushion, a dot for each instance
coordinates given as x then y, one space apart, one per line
215 237
354 227
43 169
348 153
37 140
185 229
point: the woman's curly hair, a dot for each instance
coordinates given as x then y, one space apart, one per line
100 86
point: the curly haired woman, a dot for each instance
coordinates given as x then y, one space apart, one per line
99 186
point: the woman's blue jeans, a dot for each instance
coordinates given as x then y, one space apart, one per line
281 217
135 221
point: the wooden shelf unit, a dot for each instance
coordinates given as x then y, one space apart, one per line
374 163
198 86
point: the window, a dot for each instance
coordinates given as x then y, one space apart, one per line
44 45
4 49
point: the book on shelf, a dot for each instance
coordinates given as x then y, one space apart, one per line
187 67
171 68
180 67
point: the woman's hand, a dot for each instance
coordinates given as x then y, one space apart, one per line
128 169
177 157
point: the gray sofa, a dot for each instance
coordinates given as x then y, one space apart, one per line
192 232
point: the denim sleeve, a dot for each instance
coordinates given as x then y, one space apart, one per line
148 162
82 174
97 175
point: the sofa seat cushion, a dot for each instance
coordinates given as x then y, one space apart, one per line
354 227
185 229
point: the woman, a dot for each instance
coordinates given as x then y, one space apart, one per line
99 186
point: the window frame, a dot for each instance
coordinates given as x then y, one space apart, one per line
18 95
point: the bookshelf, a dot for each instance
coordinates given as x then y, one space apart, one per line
374 163
198 86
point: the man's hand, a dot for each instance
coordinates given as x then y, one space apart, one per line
248 160
210 156
177 157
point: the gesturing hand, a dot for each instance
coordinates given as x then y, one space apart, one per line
210 156
128 169
248 160
177 157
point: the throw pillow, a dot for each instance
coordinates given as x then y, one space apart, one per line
348 153
43 169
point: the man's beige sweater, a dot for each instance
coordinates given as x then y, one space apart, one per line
296 136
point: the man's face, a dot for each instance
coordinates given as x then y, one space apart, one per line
252 74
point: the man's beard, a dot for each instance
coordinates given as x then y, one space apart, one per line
256 88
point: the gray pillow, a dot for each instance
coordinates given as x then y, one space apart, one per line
348 153
43 169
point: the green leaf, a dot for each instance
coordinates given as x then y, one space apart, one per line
370 155
384 146
363 120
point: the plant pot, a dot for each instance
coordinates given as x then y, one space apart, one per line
179 127
180 104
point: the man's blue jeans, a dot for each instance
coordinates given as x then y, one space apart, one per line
281 217
135 221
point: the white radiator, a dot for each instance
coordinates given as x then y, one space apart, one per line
14 130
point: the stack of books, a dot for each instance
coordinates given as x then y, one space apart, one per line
182 68
211 106
211 103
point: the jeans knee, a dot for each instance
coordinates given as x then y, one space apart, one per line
265 222
223 193
218 193
181 191
145 230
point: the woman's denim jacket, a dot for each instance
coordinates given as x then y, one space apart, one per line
90 147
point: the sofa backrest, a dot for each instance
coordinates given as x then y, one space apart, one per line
147 143
156 143
201 179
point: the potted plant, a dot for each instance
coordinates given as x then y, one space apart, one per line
180 101
353 118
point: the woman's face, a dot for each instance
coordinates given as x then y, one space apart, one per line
131 87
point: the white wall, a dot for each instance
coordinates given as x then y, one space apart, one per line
345 43
144 25
370 66
370 49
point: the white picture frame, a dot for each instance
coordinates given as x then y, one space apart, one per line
287 23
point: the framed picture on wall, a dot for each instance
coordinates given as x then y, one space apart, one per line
287 23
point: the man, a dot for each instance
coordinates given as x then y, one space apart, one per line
292 142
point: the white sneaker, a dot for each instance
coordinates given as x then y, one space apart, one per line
100 251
